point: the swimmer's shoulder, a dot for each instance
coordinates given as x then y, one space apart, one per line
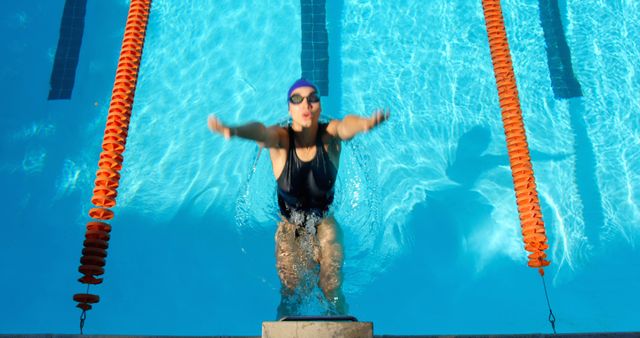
332 141
331 131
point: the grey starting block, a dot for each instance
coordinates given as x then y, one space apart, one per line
317 327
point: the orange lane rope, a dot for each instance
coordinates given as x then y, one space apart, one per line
533 231
110 163
524 183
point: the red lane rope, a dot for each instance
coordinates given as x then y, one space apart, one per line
113 145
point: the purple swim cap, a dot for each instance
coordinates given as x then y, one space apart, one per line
298 84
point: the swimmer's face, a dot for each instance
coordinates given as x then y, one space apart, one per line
307 112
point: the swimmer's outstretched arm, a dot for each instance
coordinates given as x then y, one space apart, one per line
353 125
270 137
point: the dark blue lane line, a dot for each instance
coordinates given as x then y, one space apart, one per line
332 104
314 58
566 86
63 73
563 81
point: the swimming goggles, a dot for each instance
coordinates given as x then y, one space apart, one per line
297 98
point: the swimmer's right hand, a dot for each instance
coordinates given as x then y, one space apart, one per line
379 116
218 127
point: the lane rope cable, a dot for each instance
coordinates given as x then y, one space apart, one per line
552 318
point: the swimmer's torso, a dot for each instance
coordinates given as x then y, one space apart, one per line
306 184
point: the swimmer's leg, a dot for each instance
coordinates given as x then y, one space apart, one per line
287 253
289 303
331 259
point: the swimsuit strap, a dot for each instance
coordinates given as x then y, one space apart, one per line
321 129
292 145
290 133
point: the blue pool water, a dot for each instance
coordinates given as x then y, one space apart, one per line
426 202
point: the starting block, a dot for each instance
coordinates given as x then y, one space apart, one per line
317 327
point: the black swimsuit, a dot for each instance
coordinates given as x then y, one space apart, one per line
306 187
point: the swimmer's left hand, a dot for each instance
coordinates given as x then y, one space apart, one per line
377 118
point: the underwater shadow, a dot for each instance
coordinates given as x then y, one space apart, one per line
445 221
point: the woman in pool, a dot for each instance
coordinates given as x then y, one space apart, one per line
305 157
